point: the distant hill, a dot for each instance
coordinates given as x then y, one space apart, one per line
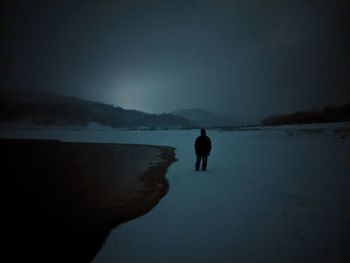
204 118
330 113
51 109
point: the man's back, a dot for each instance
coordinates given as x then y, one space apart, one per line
203 145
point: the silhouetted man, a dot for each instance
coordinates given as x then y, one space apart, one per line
203 148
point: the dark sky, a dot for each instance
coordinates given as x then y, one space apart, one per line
248 58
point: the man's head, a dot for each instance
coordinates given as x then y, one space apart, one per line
203 132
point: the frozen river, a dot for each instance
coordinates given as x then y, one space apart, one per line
268 196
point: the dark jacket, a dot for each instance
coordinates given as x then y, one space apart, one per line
202 145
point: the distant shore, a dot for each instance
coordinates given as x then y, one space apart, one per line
62 199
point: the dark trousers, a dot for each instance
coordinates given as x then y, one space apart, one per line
201 158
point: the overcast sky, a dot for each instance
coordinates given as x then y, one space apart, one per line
248 58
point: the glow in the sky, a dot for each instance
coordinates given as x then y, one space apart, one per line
248 59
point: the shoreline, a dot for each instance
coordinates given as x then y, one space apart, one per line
64 198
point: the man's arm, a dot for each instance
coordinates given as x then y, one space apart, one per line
209 144
196 146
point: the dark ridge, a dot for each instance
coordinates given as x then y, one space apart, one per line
50 109
330 113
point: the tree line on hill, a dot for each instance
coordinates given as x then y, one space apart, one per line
330 113
51 109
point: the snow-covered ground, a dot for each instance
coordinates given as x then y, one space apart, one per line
269 196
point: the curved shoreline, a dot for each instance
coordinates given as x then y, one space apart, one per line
65 198
156 185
